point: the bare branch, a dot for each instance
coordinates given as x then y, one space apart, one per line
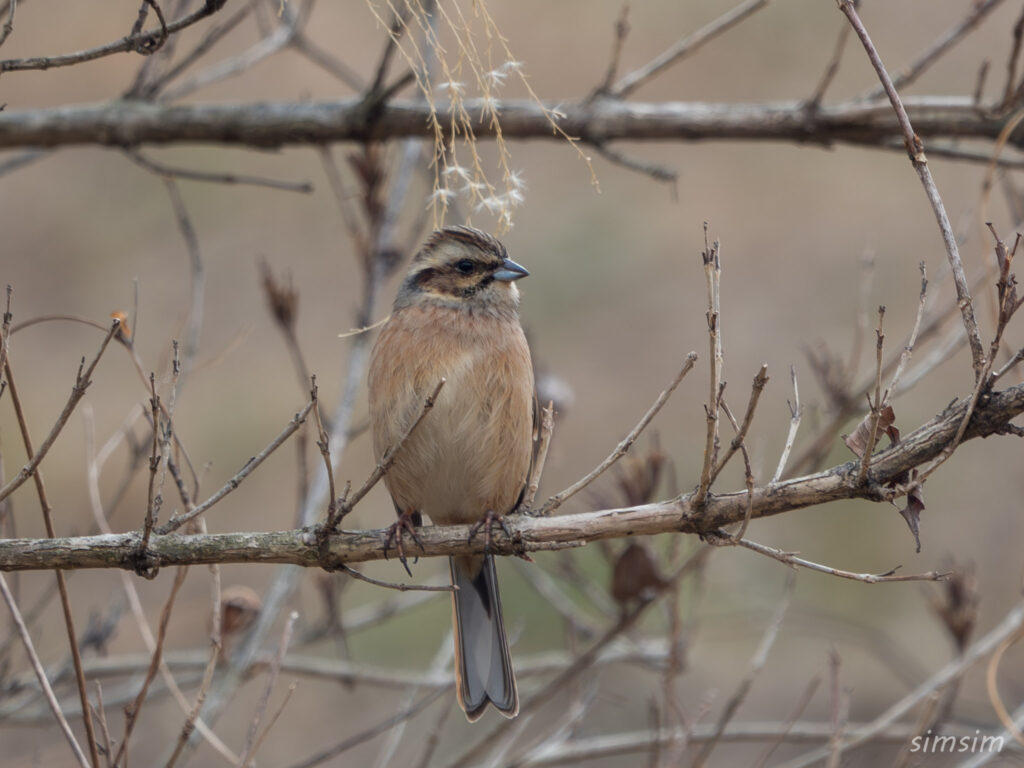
277 124
684 514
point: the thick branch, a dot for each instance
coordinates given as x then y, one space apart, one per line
269 124
299 547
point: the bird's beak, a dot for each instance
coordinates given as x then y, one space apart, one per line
510 271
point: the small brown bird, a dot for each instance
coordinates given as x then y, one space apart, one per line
457 317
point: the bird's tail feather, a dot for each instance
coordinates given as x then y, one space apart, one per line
483 668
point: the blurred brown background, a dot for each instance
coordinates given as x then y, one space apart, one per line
614 302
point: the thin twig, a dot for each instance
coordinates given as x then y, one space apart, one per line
37 666
976 13
748 474
908 348
760 380
44 504
382 727
876 404
394 585
868 578
1011 623
756 665
132 710
82 382
713 274
547 425
101 717
684 47
801 705
830 70
135 603
273 718
620 450
154 464
216 647
324 444
177 521
189 174
384 464
621 32
9 24
125 44
261 707
915 150
796 411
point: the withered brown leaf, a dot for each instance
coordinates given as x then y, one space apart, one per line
635 576
858 441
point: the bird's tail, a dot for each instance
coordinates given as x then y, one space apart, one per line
483 668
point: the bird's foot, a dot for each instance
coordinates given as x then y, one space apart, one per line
486 523
407 522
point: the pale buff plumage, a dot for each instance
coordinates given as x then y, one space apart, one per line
456 317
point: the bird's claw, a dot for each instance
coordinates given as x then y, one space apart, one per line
487 523
404 523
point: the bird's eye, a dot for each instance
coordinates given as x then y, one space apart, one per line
465 266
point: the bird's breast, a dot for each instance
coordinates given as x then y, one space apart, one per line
471 452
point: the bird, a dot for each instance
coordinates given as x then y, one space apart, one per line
456 317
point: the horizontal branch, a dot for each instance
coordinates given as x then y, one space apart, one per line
300 547
274 124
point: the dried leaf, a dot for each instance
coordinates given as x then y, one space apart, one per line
281 296
240 606
956 604
912 512
858 441
635 576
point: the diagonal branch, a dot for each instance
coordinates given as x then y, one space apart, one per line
915 149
